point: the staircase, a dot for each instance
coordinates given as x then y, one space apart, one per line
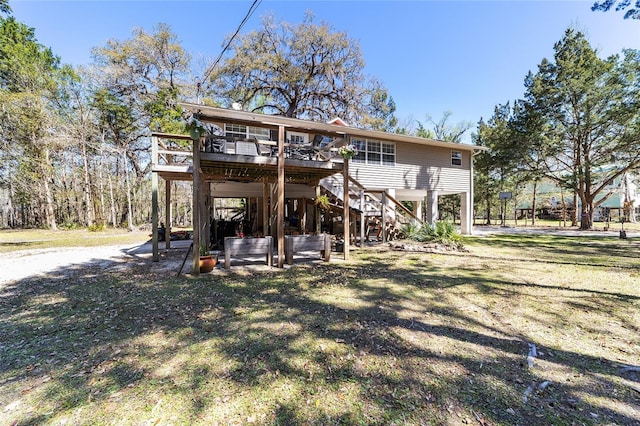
372 207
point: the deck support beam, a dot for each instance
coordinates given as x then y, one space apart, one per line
196 207
384 216
281 138
167 214
265 206
362 218
316 212
346 211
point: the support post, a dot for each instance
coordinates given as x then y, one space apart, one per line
167 214
281 137
154 200
384 217
362 218
346 226
317 211
466 221
196 206
265 207
432 206
302 213
205 225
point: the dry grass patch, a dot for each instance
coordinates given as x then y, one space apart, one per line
37 239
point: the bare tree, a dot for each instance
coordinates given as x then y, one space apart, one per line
305 71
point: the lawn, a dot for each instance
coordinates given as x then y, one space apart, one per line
34 239
389 337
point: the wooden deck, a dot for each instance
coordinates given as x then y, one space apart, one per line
174 162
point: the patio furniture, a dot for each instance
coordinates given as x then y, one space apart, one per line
246 148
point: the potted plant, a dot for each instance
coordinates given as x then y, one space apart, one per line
207 261
195 127
322 201
347 151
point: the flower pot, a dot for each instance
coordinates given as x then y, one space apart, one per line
207 263
195 133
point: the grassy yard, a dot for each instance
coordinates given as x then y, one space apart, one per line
390 337
34 239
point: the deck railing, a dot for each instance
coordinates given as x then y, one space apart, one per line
174 149
171 149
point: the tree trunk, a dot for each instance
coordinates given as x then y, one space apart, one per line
564 208
11 219
586 213
628 204
574 216
103 212
129 207
534 204
114 221
50 216
87 187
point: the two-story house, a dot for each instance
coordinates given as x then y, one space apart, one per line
284 165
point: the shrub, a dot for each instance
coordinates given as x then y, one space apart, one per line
96 227
70 226
438 232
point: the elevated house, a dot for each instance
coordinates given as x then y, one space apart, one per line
284 167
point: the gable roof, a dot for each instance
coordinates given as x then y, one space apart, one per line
338 121
329 129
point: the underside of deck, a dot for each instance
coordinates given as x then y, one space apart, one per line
247 168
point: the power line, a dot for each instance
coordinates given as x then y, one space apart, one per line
252 9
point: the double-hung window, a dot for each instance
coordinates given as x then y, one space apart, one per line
374 152
456 158
241 131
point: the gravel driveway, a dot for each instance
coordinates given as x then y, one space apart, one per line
25 264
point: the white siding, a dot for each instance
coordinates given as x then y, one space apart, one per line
417 167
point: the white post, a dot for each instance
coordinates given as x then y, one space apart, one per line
466 206
432 206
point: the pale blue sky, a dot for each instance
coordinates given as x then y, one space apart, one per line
433 56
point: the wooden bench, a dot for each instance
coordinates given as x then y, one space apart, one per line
298 243
235 246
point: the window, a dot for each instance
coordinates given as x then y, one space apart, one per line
388 154
456 158
374 152
241 131
258 133
361 147
298 138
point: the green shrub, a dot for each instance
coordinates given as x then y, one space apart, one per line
70 226
96 227
438 232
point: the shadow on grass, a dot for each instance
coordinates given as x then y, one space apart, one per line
18 245
331 344
568 250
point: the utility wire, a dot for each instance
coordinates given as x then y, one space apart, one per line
252 9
